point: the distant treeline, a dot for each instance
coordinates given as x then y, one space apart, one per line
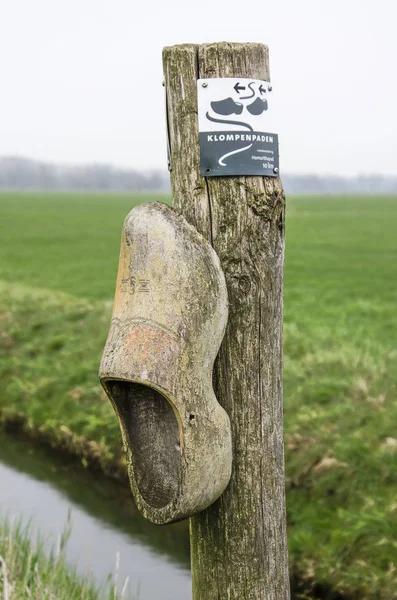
17 173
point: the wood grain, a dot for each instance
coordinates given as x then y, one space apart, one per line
238 545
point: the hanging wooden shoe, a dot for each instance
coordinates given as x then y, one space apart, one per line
169 318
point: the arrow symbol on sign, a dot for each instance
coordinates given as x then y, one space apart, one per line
262 90
239 87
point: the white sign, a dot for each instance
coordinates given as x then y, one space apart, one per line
237 133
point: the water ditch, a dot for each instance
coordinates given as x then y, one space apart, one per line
36 485
39 485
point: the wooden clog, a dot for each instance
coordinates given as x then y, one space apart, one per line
169 318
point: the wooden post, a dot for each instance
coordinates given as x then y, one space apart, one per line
238 545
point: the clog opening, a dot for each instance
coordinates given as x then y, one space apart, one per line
152 433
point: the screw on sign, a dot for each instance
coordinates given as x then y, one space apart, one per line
236 128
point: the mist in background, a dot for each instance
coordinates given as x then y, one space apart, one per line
24 174
81 84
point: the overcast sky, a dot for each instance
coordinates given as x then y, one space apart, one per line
81 79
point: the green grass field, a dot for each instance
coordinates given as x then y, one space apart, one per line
58 262
63 242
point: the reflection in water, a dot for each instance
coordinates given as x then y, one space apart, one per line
104 519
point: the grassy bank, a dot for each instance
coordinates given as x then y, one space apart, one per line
340 365
50 350
29 571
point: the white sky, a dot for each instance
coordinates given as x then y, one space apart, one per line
81 79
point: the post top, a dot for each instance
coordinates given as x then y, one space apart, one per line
231 45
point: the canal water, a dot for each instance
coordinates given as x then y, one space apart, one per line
36 485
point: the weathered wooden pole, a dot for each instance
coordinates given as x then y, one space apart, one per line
238 545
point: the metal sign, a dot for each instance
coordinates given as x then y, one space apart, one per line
235 126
